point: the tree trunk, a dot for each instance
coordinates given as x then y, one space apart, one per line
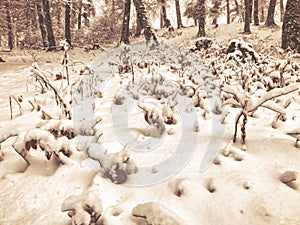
41 22
50 35
215 10
142 15
9 25
256 20
270 18
79 15
262 13
138 27
291 26
250 9
228 11
247 18
68 22
178 14
165 22
126 19
281 10
201 30
237 11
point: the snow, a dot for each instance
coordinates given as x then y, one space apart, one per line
191 173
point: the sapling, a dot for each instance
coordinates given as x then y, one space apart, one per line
65 106
18 100
248 103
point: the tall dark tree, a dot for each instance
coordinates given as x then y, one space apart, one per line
9 25
262 11
201 28
126 19
138 31
247 17
291 26
178 14
145 24
281 10
255 13
250 9
165 22
68 22
215 11
79 14
48 23
270 18
41 22
228 11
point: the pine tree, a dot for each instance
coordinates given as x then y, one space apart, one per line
247 17
178 14
255 13
291 26
270 18
126 19
68 22
142 16
50 35
9 25
201 29
41 22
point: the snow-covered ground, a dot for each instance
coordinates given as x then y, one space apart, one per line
150 146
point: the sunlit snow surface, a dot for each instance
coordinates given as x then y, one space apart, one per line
159 157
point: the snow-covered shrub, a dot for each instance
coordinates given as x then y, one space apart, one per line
60 147
202 43
115 166
84 209
238 49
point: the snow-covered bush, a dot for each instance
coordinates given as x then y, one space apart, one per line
60 147
84 209
114 166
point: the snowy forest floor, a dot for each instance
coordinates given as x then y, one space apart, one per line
240 187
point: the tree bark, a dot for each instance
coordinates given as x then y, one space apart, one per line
262 12
138 31
79 15
256 20
281 10
201 29
270 18
247 17
291 26
250 9
126 19
228 11
178 14
41 22
50 35
68 22
9 25
142 15
165 22
215 10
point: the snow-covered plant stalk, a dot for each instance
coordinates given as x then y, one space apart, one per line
38 74
247 104
17 99
65 62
